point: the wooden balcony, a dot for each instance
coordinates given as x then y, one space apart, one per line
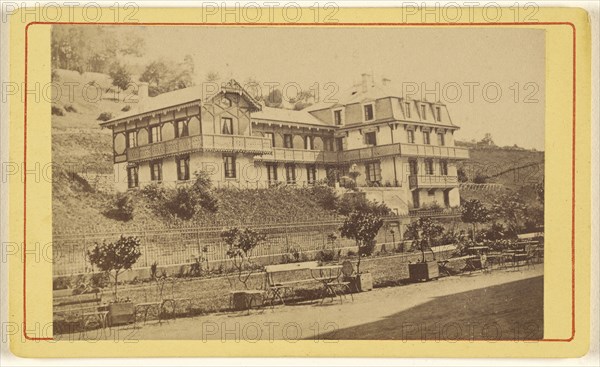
198 143
403 149
298 156
432 182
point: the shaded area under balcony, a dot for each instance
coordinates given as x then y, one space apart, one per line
299 156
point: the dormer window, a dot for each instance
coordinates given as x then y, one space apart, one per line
337 117
438 113
407 109
369 113
423 112
226 126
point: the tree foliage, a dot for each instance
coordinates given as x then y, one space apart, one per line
240 244
474 212
115 257
163 76
120 75
362 227
512 210
92 48
423 232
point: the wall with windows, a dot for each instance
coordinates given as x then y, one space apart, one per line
226 114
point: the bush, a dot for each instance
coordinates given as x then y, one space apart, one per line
183 203
122 208
480 179
325 196
57 110
325 256
126 108
61 283
105 116
357 202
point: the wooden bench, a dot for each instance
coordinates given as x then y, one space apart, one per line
84 307
277 288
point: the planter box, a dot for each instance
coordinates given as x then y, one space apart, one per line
423 271
121 313
244 300
362 282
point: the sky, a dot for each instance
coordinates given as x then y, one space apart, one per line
492 79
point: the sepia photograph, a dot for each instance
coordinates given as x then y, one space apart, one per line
297 183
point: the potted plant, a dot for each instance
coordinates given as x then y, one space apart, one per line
422 232
362 228
115 258
240 245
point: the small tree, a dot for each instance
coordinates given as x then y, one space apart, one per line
116 257
474 212
240 245
423 231
362 227
512 209
120 75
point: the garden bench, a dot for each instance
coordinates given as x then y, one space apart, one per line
277 288
89 310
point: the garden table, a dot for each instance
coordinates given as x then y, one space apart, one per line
328 275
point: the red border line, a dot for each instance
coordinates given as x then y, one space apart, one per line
574 105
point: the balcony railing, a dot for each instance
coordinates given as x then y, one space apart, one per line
431 181
188 144
403 149
299 156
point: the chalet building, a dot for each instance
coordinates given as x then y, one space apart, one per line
400 150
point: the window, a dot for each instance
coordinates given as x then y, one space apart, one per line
155 134
311 174
423 112
414 167
328 143
226 102
272 173
438 113
429 167
371 138
441 140
132 177
181 128
287 141
407 108
183 168
426 137
226 126
229 166
131 139
337 117
271 137
373 170
339 144
156 170
290 174
443 168
368 109
446 198
410 135
415 197
309 143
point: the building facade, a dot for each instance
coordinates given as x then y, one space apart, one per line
400 151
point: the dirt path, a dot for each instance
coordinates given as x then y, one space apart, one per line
349 319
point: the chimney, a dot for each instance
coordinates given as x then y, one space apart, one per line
365 82
142 92
385 81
